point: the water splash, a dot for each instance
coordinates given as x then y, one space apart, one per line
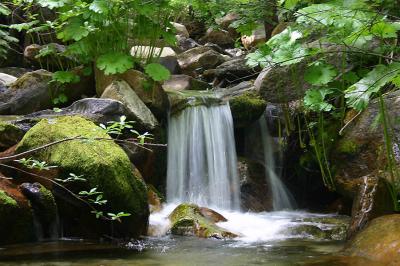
202 163
281 197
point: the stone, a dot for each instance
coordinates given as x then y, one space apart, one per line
219 37
121 91
226 21
180 29
184 44
257 37
54 58
235 70
378 242
247 108
103 164
14 71
44 207
184 82
165 55
254 189
6 79
188 220
199 59
16 216
151 93
155 199
372 200
9 135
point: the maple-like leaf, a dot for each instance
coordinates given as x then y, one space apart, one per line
113 63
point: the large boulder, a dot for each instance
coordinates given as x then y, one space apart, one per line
151 93
103 164
378 242
191 220
16 216
219 37
247 108
121 91
235 70
199 59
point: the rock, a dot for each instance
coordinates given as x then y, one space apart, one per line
379 241
165 55
196 29
151 93
103 164
14 71
235 70
247 108
212 215
9 135
185 82
219 37
33 92
362 150
276 84
199 59
6 79
53 58
235 52
188 220
44 208
254 189
257 37
372 200
16 217
180 29
121 91
227 20
184 44
155 199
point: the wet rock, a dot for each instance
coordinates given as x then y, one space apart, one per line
187 219
362 149
235 70
16 217
257 37
379 241
247 108
9 135
212 215
6 79
155 199
185 82
253 186
372 200
44 208
151 93
199 59
180 29
219 37
121 91
103 164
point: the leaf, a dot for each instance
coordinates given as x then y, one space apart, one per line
73 30
61 98
358 95
157 72
315 100
65 77
99 6
384 30
50 4
320 73
24 26
113 63
4 10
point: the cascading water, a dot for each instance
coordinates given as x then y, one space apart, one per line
281 196
202 163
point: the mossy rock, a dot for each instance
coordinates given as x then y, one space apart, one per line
16 217
187 219
247 108
9 135
102 162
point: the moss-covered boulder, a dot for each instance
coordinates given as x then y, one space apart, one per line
379 241
16 216
191 220
105 166
9 135
247 108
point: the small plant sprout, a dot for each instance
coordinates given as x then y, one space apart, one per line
34 164
118 216
71 178
117 127
142 137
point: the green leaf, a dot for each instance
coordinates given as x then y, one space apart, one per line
157 72
50 4
315 100
65 77
113 63
73 30
384 30
4 10
358 95
320 73
24 26
99 6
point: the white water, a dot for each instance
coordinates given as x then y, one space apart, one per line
202 163
282 199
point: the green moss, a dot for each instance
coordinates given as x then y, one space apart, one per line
6 201
348 147
187 219
9 134
102 162
247 108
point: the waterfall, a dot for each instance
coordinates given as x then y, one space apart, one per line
281 196
202 163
